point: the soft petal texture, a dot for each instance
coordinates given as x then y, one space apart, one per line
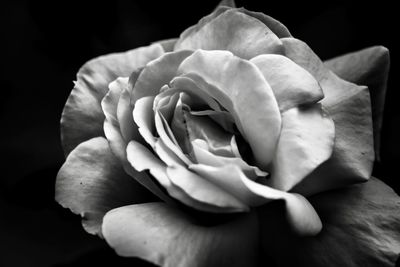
142 159
306 141
350 108
276 27
82 117
361 228
368 67
167 237
204 191
234 31
157 73
231 80
292 85
299 213
113 133
92 181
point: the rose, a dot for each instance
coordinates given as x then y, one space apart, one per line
179 109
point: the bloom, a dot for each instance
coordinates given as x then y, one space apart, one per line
233 114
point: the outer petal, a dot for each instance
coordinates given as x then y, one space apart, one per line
350 108
306 141
292 85
368 67
361 228
82 116
234 31
166 237
92 181
240 88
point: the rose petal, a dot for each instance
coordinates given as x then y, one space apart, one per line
112 130
361 228
349 107
158 73
368 67
292 85
114 136
143 116
205 157
142 159
92 181
276 27
135 231
306 141
82 116
168 44
203 191
299 213
239 86
234 31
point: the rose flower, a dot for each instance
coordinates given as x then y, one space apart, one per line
221 123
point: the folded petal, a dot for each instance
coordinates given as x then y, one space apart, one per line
142 159
158 73
234 31
241 89
306 140
167 237
92 181
292 85
204 191
368 67
82 117
361 228
350 108
299 213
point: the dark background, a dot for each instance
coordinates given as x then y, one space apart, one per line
43 43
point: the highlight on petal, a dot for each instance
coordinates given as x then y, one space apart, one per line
204 191
82 117
361 228
142 159
306 141
158 73
92 181
227 3
350 108
300 214
241 89
233 31
135 231
369 67
292 85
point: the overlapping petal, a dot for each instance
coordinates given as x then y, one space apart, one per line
306 141
233 31
350 108
292 85
229 79
82 117
158 73
300 214
92 181
361 228
369 67
167 237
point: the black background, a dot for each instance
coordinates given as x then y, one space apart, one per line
43 43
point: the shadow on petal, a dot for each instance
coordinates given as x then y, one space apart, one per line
165 236
361 227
